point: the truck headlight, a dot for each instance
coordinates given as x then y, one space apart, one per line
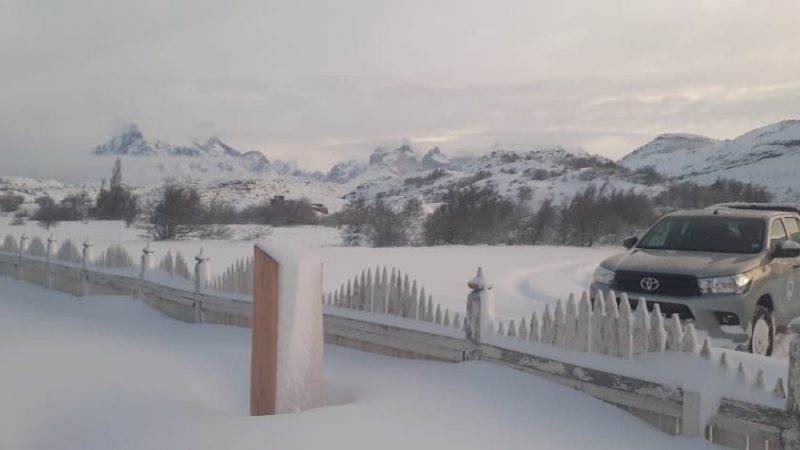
736 284
603 275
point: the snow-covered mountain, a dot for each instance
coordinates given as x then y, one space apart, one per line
768 156
529 176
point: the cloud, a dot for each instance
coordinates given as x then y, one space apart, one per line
319 81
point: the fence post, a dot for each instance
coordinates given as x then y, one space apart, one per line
691 414
145 265
50 241
199 278
477 301
22 240
85 260
793 397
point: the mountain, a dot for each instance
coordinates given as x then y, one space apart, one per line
528 176
435 159
768 156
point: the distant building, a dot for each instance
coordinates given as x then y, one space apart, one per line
320 208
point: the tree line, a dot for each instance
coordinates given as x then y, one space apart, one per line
178 211
470 215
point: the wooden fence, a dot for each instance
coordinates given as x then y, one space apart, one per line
393 315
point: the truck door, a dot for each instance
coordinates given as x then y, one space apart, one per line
782 273
792 225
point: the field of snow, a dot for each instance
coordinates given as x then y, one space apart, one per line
525 278
98 373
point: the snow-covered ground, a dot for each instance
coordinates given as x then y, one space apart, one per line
525 278
99 373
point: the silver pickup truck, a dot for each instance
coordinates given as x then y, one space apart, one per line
731 269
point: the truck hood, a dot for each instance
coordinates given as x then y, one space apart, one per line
699 264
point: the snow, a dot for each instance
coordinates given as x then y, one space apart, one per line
98 373
300 337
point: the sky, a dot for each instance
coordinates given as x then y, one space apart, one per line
321 81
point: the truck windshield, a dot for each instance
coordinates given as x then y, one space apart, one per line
706 234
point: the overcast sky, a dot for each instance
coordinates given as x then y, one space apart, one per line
319 81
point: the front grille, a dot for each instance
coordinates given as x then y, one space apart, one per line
668 284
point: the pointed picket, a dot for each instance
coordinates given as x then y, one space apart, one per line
437 318
570 328
658 334
429 314
501 329
641 328
548 333
779 391
512 329
411 301
705 351
598 318
723 361
689 344
446 321
457 320
533 334
674 334
610 323
583 338
559 325
522 333
759 382
625 328
370 291
421 306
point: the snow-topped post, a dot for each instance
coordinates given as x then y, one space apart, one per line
86 258
48 257
87 254
480 314
793 395
145 265
287 341
201 271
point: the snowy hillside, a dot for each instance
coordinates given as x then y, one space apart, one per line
768 155
530 176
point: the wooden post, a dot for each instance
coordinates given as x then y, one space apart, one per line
474 320
287 340
264 363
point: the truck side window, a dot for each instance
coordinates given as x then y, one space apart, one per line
792 228
776 233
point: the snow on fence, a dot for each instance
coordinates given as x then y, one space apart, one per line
237 278
393 294
607 325
115 256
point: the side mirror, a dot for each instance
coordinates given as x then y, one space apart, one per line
630 242
787 249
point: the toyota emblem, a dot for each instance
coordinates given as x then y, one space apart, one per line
649 284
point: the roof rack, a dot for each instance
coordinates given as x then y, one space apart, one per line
786 207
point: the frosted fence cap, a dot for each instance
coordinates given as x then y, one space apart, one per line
289 254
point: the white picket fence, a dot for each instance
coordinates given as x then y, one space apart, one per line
392 293
609 326
237 278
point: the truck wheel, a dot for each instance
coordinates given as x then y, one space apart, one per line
763 332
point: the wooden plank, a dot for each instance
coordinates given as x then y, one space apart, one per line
264 357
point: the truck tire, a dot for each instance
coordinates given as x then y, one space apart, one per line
762 334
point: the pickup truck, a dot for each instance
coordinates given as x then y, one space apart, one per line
731 269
